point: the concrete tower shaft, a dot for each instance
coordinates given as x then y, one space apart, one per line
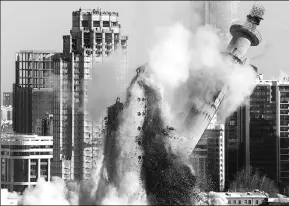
245 34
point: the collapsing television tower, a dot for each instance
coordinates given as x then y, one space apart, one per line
244 35
149 156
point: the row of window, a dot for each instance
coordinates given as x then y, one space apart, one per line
31 56
25 153
240 202
85 23
25 146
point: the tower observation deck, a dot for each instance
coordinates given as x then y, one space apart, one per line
244 35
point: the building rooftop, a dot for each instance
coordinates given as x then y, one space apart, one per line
94 11
37 51
285 80
28 139
255 193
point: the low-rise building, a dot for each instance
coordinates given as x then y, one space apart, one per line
245 198
24 159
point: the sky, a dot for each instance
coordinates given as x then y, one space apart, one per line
40 25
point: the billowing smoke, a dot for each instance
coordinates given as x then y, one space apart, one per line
188 67
140 165
47 193
106 84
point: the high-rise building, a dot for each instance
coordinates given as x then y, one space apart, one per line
256 134
24 159
93 37
33 89
208 156
282 99
263 146
7 99
236 142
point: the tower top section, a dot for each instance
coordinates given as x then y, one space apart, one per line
248 29
256 14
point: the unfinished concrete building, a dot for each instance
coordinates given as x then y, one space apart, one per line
77 137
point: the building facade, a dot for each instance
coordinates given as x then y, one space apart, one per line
44 127
209 156
245 198
282 99
236 143
33 89
263 136
6 119
257 133
7 99
22 110
95 34
6 113
24 159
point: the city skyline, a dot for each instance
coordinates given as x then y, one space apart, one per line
138 19
145 103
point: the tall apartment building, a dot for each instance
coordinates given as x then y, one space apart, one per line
237 143
261 132
282 99
94 35
24 159
7 99
262 135
208 156
33 89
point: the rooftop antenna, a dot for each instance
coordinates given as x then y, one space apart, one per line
256 14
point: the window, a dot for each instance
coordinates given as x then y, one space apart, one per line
256 201
105 23
240 202
229 202
245 201
235 201
96 23
85 23
249 202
